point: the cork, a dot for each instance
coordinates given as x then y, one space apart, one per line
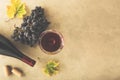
7 70
17 72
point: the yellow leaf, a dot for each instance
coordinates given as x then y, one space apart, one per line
16 9
51 68
21 11
11 11
54 62
15 2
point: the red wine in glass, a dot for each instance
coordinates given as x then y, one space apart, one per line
51 41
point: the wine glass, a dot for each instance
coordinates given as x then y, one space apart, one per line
51 41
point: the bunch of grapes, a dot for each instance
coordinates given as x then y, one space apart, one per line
31 28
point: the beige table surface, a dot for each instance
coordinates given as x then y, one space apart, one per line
91 30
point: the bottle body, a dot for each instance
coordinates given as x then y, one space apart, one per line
8 49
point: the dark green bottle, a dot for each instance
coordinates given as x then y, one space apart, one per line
8 49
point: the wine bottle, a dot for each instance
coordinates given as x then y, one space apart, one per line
8 49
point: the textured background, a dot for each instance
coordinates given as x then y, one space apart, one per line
91 30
